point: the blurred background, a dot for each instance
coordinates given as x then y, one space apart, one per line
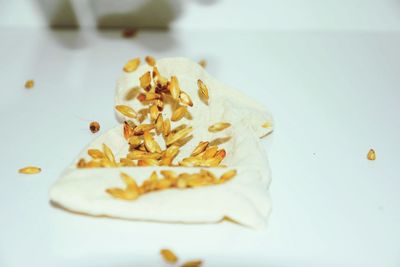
377 15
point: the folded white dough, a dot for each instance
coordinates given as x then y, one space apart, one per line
244 199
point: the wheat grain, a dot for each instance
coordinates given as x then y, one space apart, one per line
126 111
95 153
30 170
168 256
132 65
371 154
151 145
185 99
150 60
172 138
203 91
178 113
219 126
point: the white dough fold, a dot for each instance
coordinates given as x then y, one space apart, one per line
244 199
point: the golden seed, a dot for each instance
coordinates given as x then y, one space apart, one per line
185 99
145 80
203 91
218 126
141 118
142 147
166 161
129 181
144 188
152 96
126 162
371 154
116 192
266 124
220 154
153 177
181 183
96 163
143 114
159 103
132 93
169 256
174 88
152 89
172 151
155 73
131 194
140 129
178 114
29 84
199 148
184 175
209 175
153 112
163 184
30 170
227 176
184 141
95 153
147 186
152 186
196 180
210 152
150 60
137 154
203 63
172 138
128 130
211 162
195 263
191 162
81 163
169 174
94 127
166 127
186 163
134 141
126 111
148 162
160 80
130 123
127 194
159 124
132 65
178 128
141 97
220 140
104 163
109 155
151 145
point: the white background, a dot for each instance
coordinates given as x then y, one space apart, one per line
334 93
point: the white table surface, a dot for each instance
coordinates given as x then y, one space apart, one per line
333 95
